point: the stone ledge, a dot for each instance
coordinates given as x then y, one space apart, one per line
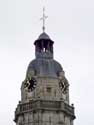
44 105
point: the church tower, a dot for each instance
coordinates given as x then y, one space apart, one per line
45 90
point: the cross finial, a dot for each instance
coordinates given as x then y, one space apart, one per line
44 18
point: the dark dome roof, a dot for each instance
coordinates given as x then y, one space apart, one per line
43 36
45 67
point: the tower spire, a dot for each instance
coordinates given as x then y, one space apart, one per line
44 18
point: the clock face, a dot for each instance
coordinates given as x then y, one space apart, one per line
30 84
63 84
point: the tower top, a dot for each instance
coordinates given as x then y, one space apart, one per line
44 18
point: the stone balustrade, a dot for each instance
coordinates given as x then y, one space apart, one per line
44 105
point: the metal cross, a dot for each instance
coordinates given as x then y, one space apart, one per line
44 18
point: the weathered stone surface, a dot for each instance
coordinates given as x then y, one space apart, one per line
56 110
47 104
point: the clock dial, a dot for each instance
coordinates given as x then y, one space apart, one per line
30 84
63 84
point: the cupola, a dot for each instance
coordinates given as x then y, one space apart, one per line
44 46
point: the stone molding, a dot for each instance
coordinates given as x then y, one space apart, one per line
44 105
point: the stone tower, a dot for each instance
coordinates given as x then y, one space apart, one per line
45 90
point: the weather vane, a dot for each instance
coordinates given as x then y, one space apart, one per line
44 18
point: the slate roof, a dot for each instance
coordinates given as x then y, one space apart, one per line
43 36
45 67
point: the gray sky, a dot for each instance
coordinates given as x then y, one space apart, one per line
71 26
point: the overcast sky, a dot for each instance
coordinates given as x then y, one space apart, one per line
70 24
